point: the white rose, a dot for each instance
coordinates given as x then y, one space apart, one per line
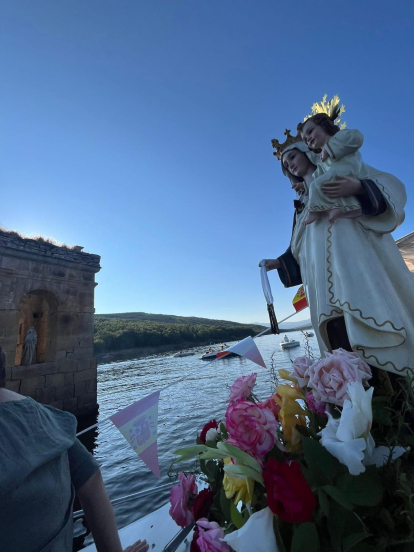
212 434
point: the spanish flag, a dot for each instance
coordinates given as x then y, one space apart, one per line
299 301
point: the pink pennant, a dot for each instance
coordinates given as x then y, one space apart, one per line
138 424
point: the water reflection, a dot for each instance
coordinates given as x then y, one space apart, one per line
199 393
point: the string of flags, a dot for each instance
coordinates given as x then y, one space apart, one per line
138 422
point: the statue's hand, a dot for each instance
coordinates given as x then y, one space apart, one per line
342 186
324 154
271 264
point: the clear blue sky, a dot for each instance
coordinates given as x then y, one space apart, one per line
141 130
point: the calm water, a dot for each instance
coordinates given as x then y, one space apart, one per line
200 393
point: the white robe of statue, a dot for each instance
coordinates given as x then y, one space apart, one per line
353 268
29 349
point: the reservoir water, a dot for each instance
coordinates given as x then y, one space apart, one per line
198 394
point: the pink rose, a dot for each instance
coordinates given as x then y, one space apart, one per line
300 370
316 406
251 428
208 537
329 377
242 388
180 496
362 365
271 404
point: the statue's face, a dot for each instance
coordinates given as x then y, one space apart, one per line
297 163
314 136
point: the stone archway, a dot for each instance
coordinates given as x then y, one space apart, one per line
38 309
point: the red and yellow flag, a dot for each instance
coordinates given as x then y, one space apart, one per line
299 301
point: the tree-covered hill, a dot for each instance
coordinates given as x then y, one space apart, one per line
114 332
168 319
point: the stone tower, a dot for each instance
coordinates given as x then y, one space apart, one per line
49 288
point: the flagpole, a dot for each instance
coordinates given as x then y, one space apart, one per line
281 322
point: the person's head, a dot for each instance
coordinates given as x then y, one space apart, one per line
317 130
2 368
296 163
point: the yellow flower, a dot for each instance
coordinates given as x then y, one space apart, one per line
286 375
233 485
291 414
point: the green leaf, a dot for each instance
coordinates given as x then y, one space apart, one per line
238 470
338 496
381 413
236 516
210 469
213 454
409 439
189 452
362 490
225 505
306 538
304 430
336 525
351 541
239 455
223 430
322 465
323 502
364 547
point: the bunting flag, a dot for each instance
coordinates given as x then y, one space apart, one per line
246 348
138 424
299 301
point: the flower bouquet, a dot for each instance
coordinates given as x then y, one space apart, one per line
321 465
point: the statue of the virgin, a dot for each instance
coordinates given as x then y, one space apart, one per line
29 349
360 292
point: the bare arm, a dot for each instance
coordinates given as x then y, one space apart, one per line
100 517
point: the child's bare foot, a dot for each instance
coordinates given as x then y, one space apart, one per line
335 214
311 217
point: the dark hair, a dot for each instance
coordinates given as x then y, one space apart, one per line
2 368
323 120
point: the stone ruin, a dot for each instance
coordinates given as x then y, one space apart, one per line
47 321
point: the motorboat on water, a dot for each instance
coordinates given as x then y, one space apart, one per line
183 354
308 334
211 355
289 343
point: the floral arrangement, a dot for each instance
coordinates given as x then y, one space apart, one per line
321 465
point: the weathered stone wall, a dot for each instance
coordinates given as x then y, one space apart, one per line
51 288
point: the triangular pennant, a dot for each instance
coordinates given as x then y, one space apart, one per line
150 457
138 424
246 348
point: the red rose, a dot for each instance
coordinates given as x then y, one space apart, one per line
202 504
212 424
288 493
194 546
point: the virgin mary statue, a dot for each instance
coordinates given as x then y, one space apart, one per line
29 350
359 290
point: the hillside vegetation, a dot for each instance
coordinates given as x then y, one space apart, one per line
114 332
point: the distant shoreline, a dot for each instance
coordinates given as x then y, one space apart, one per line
143 352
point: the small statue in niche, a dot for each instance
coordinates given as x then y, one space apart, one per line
29 349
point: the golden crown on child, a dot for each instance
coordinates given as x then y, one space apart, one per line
289 141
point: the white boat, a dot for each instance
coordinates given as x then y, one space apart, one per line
158 529
289 343
184 354
309 334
